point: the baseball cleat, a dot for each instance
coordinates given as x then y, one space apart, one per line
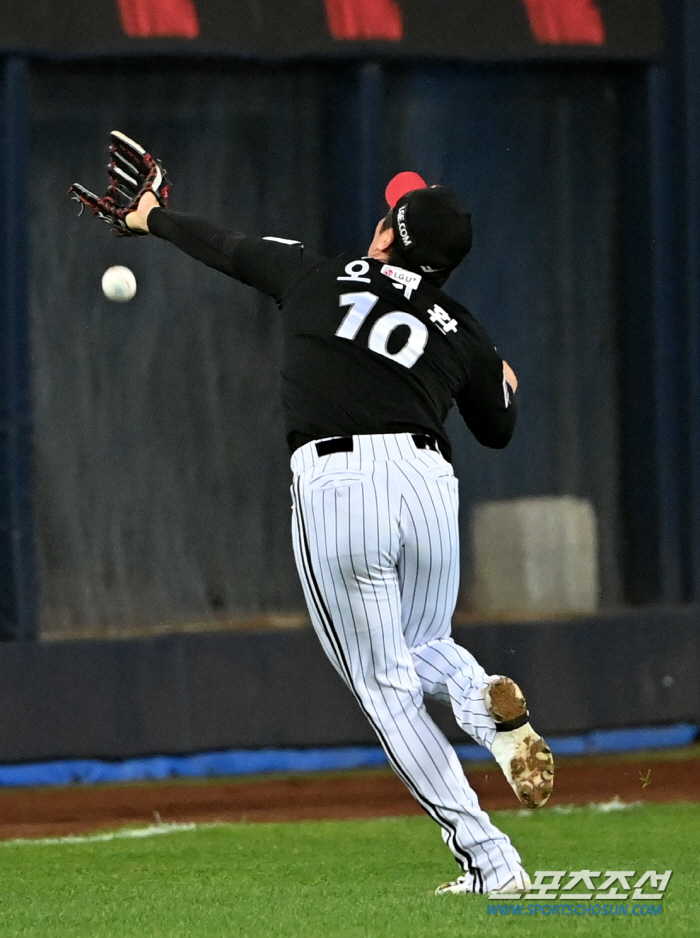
514 884
524 757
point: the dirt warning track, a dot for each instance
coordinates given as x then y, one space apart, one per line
42 812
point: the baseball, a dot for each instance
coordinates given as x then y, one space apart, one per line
118 284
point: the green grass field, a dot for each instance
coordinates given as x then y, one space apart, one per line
362 879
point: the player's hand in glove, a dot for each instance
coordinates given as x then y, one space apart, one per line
132 173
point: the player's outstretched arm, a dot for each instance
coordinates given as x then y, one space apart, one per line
138 185
267 264
271 265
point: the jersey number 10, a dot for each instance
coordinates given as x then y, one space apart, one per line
361 305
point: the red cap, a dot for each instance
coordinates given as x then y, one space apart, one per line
401 184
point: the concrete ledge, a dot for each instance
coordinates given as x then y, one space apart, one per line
535 556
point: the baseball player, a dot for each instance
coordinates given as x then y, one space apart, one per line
374 355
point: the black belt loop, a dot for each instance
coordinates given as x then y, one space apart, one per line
341 444
423 441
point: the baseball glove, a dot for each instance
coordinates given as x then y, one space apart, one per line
132 172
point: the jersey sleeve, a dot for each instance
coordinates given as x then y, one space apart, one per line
271 265
487 402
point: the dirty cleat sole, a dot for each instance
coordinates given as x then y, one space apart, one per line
524 757
504 700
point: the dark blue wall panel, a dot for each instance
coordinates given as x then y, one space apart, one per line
160 491
17 619
161 470
658 348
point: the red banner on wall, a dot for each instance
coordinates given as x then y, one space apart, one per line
147 18
364 19
479 30
566 21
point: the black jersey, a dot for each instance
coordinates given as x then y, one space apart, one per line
368 347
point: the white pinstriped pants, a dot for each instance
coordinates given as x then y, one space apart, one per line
377 550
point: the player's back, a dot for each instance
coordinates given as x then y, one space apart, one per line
373 348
